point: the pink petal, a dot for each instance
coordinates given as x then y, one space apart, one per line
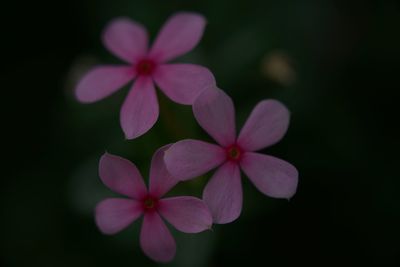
266 125
115 214
161 181
188 159
103 81
215 113
183 82
121 176
140 110
223 194
272 176
187 214
179 35
126 39
155 238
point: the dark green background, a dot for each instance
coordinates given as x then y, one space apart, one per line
343 137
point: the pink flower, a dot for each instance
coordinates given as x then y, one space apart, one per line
266 125
128 40
187 214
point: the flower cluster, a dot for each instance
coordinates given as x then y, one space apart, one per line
186 159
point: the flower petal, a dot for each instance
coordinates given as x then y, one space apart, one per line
126 39
215 113
161 181
140 110
155 238
121 176
180 34
266 125
115 214
187 214
272 176
103 81
223 194
188 158
183 82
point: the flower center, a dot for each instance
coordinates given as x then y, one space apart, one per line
150 203
233 153
145 67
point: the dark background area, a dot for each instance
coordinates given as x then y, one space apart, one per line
335 64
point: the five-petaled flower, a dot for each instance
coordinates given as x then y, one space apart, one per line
185 213
128 40
267 124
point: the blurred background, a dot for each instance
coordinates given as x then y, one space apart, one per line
334 63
